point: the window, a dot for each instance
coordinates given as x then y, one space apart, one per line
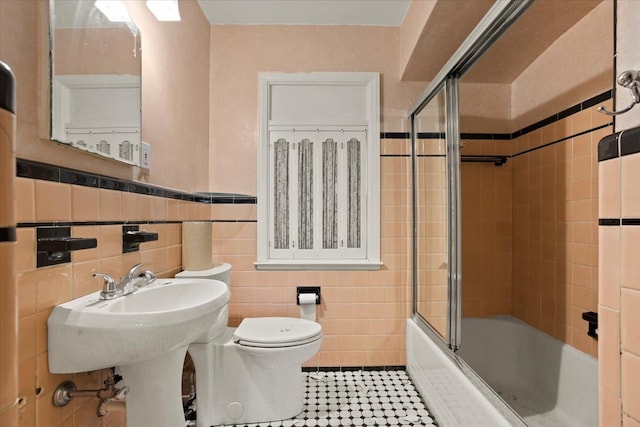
318 185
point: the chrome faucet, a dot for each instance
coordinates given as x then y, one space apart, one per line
131 282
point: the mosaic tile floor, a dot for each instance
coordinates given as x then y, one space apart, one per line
358 398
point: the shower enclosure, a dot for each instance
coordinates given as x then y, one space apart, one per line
503 217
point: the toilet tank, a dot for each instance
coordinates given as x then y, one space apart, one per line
220 272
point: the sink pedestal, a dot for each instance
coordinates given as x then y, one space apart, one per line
155 394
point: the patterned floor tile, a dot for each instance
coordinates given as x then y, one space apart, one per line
357 398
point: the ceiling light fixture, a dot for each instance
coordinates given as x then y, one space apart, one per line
114 10
164 10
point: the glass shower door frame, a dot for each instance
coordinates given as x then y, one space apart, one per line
454 222
453 228
496 21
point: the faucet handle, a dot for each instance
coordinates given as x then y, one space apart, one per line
134 272
148 276
109 290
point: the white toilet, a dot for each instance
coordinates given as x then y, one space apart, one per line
252 373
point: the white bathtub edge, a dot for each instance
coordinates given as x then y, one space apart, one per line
454 404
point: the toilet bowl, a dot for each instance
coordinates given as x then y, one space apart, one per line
251 373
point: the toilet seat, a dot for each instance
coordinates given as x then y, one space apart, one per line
275 332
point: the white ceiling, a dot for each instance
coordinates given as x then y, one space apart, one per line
305 12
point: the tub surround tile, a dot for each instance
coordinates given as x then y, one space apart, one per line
627 421
608 147
630 268
630 319
629 189
609 276
629 141
609 189
609 350
630 385
609 410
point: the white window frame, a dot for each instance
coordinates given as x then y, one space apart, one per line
370 82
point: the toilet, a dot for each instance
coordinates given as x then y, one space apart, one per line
252 373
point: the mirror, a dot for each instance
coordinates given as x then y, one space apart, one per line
95 79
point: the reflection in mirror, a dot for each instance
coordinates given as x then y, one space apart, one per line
95 79
431 213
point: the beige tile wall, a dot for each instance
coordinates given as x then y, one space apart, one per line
617 276
39 289
555 223
486 230
529 228
619 302
432 233
8 300
362 313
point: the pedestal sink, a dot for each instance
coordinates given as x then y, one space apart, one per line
145 334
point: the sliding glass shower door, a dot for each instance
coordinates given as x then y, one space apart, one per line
436 168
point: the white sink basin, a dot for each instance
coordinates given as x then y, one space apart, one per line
89 333
145 334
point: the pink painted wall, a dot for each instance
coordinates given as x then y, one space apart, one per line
555 81
239 53
170 52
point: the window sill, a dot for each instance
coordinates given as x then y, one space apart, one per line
324 265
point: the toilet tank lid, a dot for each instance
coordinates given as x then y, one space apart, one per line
276 330
218 269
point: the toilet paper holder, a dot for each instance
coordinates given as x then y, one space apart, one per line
308 290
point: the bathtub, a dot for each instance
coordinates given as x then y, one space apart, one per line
545 381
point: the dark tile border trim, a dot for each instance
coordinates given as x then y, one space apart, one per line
99 223
616 222
608 147
353 368
584 132
47 172
619 144
8 234
604 96
7 89
395 135
607 222
630 141
595 100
